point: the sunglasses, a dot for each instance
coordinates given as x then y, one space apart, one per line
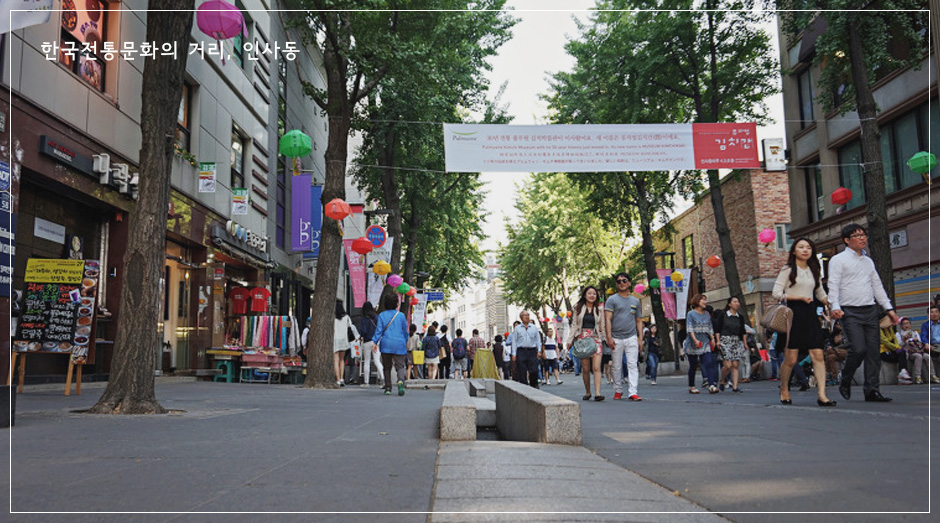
621 280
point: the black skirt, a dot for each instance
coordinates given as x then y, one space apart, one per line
806 332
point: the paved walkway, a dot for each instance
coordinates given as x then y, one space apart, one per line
232 451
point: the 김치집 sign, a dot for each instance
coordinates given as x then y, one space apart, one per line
599 148
58 306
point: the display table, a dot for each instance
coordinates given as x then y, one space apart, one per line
226 360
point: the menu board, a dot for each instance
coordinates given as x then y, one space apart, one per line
58 306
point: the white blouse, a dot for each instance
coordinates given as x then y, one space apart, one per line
803 288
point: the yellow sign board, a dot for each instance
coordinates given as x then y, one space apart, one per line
55 271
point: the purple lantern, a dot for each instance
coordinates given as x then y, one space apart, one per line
220 20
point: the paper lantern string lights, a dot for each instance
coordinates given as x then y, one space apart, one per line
362 246
221 21
767 236
713 261
394 280
922 163
381 268
337 209
639 288
295 144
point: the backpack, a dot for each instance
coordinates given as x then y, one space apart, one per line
459 349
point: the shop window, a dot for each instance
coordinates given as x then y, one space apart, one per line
688 251
183 118
805 81
81 39
238 159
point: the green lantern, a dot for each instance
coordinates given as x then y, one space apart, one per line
403 288
922 163
654 283
295 144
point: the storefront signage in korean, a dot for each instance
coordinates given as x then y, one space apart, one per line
65 153
58 306
599 148
47 230
207 177
4 176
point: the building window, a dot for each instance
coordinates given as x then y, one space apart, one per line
850 173
83 30
183 118
805 81
238 160
815 198
238 42
783 236
688 251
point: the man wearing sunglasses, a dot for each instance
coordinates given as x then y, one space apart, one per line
854 287
623 316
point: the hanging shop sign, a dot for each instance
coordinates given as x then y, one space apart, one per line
316 221
240 241
300 213
435 295
65 153
207 171
5 176
599 148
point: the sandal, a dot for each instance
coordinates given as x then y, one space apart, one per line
693 390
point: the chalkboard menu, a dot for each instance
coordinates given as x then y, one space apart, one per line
58 306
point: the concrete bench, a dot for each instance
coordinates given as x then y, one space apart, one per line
524 413
458 413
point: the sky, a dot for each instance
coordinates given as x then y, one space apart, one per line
525 63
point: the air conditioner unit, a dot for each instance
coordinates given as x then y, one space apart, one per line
101 163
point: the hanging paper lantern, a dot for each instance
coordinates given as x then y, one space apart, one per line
381 268
568 314
639 288
841 196
414 300
922 163
394 280
676 276
505 335
336 209
403 288
221 21
654 283
610 291
362 246
767 235
713 261
411 292
295 144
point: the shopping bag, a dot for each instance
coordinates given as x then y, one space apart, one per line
417 357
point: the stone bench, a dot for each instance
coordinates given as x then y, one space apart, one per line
458 413
524 413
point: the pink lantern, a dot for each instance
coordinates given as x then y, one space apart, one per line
394 280
639 288
767 235
220 20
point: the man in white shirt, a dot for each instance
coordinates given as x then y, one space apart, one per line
854 287
526 345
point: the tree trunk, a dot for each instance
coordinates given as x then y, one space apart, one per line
649 261
130 387
724 239
339 112
392 200
879 246
414 222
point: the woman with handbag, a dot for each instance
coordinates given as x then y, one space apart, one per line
391 335
798 283
343 332
699 343
588 325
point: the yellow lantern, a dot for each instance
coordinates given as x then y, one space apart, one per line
676 276
381 268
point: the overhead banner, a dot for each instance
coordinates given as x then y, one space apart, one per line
599 148
674 293
357 273
419 312
300 213
376 282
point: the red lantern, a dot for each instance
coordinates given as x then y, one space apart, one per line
713 261
362 245
414 300
336 209
411 292
841 196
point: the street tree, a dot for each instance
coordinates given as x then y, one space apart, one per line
860 45
716 57
557 246
361 45
130 388
602 89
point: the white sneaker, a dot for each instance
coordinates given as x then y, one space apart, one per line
653 382
904 375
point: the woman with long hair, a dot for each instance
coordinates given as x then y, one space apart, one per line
370 353
799 284
652 352
342 327
391 336
699 343
587 321
431 345
730 327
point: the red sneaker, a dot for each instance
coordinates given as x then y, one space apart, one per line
636 397
617 395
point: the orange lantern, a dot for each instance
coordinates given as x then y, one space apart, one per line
336 209
841 196
411 292
414 300
713 261
362 245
